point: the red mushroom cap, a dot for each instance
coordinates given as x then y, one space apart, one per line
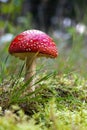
33 41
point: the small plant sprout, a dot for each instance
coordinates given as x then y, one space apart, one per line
29 45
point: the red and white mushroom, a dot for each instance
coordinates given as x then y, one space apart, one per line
30 45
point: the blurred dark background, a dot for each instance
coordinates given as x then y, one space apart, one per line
59 18
45 15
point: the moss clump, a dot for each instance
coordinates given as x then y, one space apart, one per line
60 104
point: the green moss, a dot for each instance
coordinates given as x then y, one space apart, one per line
61 104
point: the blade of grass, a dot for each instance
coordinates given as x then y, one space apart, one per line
16 94
21 70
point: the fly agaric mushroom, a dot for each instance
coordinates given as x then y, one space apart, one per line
30 45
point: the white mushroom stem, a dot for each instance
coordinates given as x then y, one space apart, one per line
30 72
